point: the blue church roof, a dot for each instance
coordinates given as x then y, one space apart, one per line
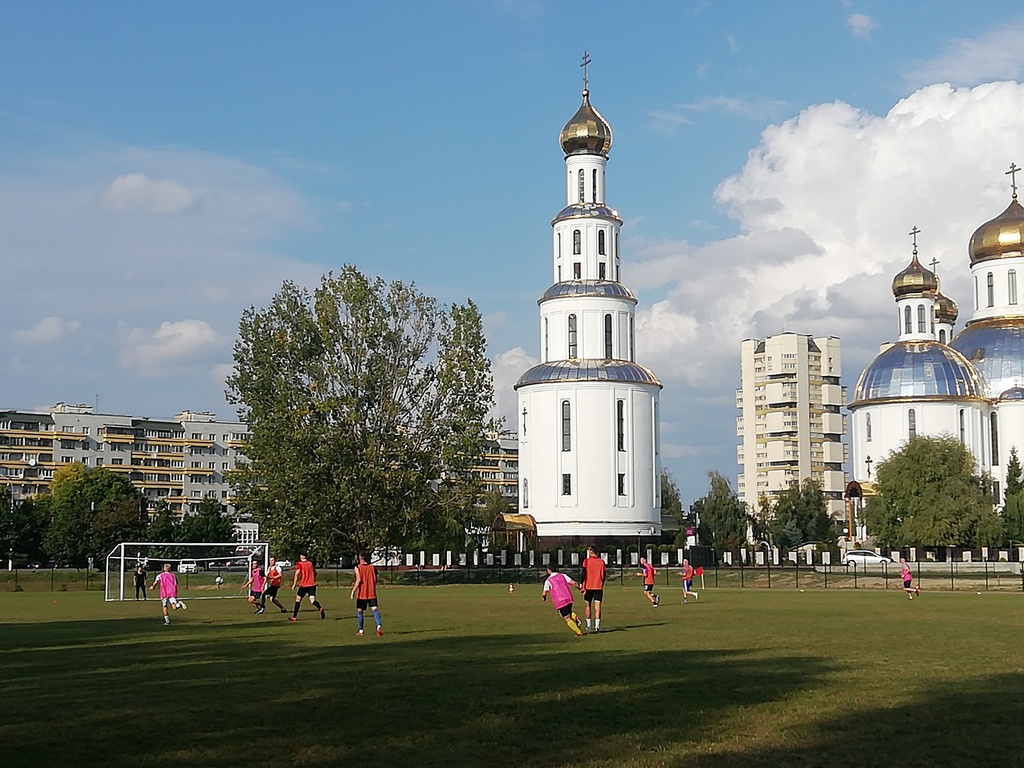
587 288
918 370
588 370
996 350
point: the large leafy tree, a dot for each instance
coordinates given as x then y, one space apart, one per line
365 400
23 526
722 518
930 495
90 509
799 515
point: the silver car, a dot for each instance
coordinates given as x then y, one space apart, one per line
862 557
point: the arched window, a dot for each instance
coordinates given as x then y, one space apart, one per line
995 440
908 323
632 342
620 423
582 178
963 431
990 282
577 242
922 326
576 270
594 185
559 241
942 335
572 337
616 254
976 304
867 427
526 493
601 271
600 242
547 355
608 337
1011 286
566 427
912 422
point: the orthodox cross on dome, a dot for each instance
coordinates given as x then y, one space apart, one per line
586 62
1012 173
914 233
933 263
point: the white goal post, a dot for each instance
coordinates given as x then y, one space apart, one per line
124 558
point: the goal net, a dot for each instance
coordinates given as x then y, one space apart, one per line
204 569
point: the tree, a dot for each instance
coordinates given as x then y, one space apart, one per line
722 518
801 511
1014 483
929 495
23 527
671 502
1013 506
364 401
90 510
207 524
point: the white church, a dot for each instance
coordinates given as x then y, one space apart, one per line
589 463
931 381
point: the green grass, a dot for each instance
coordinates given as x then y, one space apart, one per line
475 676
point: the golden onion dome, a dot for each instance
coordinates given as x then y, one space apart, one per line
946 310
914 280
586 132
1001 238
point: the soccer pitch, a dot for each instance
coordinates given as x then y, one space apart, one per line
478 676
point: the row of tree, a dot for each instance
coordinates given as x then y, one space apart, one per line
90 510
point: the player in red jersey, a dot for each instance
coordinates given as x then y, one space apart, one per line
647 571
305 580
592 587
364 592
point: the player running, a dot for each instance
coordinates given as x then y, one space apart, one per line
168 583
907 576
593 587
364 591
258 582
274 574
687 574
558 584
305 580
648 571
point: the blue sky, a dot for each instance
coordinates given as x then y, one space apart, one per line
164 166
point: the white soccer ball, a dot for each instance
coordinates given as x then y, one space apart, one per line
218 581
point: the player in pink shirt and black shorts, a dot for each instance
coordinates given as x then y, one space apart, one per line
168 583
558 584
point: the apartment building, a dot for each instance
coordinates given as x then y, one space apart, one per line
790 425
497 466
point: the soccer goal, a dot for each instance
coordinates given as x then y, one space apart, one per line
203 562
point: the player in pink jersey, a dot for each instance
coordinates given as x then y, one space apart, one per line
558 584
258 582
168 584
907 577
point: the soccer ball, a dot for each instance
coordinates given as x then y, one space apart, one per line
511 588
218 581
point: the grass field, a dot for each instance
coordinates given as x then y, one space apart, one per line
475 676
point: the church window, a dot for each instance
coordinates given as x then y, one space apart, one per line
622 484
991 288
594 185
608 337
921 323
600 242
963 431
912 422
559 273
577 242
558 239
567 485
908 324
566 426
601 271
620 423
995 441
1011 286
546 352
632 342
942 335
577 270
976 305
572 337
616 254
867 427
582 178
526 493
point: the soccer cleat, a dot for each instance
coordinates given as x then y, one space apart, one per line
182 605
380 632
696 597
284 610
684 601
260 610
359 633
917 591
292 618
323 614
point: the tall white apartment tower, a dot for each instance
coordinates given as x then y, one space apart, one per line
589 463
790 427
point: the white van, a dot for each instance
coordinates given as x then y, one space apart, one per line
188 566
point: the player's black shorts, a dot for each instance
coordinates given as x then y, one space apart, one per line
303 591
362 605
254 594
648 587
594 595
271 591
566 611
907 583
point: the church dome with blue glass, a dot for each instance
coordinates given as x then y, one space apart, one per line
918 370
996 350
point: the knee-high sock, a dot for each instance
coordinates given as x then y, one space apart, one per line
359 620
376 615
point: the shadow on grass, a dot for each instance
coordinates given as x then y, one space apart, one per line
117 692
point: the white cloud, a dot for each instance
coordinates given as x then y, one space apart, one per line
138 192
861 25
174 342
47 330
506 368
668 121
995 56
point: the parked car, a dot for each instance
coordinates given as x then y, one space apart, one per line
862 557
34 564
285 563
188 566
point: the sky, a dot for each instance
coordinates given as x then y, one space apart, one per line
165 166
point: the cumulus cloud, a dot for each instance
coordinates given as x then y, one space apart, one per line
174 342
995 56
861 25
138 192
506 368
47 330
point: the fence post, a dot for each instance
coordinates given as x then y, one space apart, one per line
768 562
855 576
798 569
952 583
885 573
